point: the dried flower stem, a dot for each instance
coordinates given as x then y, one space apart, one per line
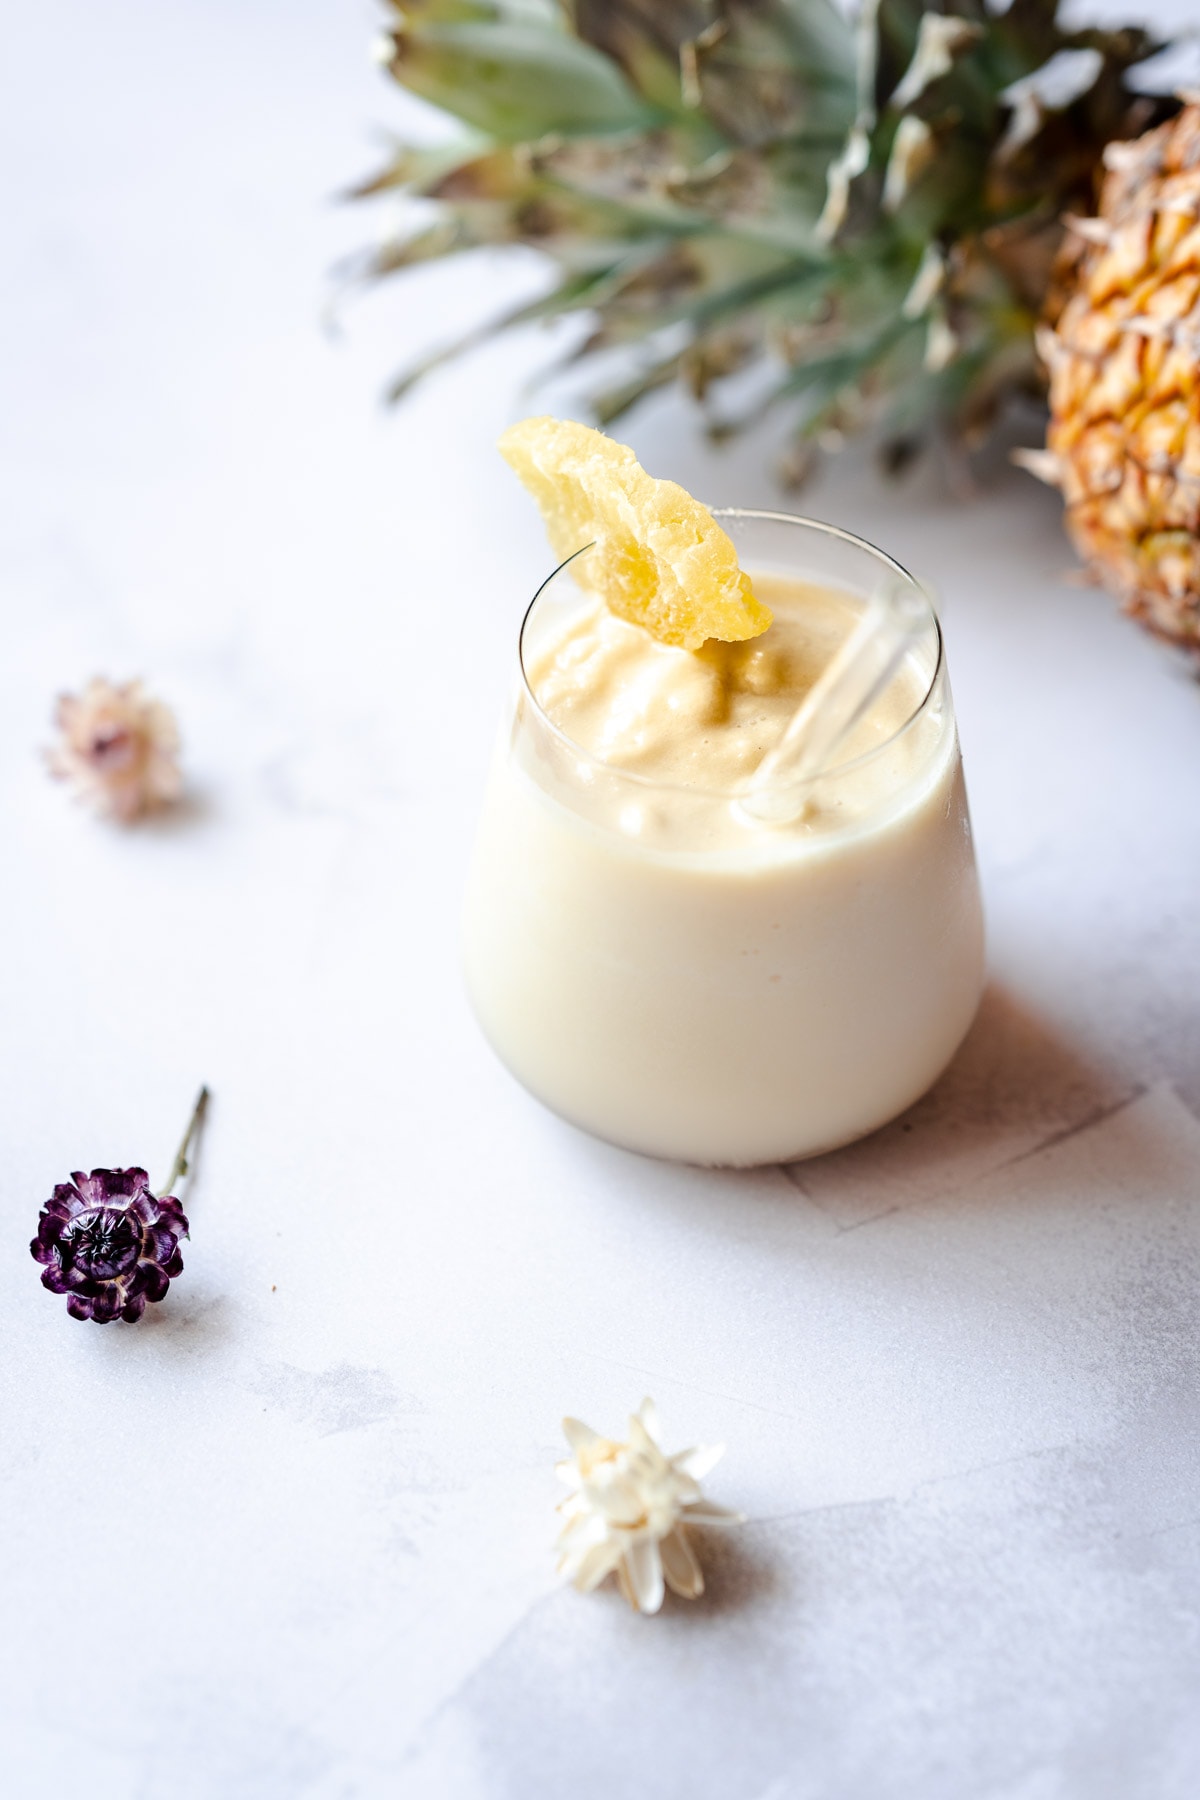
181 1166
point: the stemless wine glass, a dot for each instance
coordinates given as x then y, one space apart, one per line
719 995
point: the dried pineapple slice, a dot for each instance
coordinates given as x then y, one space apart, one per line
660 558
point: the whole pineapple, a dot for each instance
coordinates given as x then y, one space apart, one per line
1124 359
869 209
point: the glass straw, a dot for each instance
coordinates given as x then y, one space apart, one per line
851 682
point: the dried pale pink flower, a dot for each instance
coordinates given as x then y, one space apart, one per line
119 749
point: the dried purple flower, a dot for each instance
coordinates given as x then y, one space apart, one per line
109 1244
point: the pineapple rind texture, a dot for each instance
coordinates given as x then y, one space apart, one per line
658 558
1124 362
727 183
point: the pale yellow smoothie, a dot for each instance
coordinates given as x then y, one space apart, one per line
703 721
667 971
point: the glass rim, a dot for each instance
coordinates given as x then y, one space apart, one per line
693 789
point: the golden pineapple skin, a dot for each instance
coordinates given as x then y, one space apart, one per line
1124 364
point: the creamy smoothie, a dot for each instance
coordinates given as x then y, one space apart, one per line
663 968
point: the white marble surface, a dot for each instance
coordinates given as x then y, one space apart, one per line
290 1537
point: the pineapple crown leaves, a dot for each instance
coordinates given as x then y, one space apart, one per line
870 207
512 70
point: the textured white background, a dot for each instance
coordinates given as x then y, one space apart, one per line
290 1536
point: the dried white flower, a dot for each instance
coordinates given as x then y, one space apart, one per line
627 1509
118 747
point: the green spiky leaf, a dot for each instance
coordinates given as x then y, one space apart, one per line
872 205
513 80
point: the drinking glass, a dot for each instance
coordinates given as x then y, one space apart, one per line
681 979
